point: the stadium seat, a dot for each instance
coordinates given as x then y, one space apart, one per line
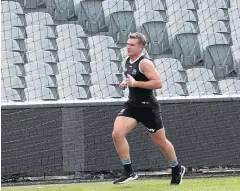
212 14
235 25
234 3
209 40
72 55
236 58
71 30
182 15
234 13
106 66
90 15
235 37
119 19
101 41
8 94
186 49
72 43
39 18
11 7
10 45
39 44
219 4
12 69
40 32
63 10
175 28
164 64
71 93
8 32
200 74
106 78
65 79
173 76
40 56
72 67
104 54
153 26
41 80
170 89
229 86
102 91
11 57
11 19
183 4
34 68
215 27
40 93
199 88
13 81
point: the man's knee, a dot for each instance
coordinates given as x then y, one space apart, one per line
162 143
116 135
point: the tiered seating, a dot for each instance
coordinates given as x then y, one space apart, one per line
42 60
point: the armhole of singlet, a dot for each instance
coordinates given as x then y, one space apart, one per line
139 68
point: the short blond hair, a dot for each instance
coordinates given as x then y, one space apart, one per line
141 38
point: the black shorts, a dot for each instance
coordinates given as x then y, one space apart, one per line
148 114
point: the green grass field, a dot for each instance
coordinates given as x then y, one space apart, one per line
200 184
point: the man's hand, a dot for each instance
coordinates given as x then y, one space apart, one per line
123 84
130 81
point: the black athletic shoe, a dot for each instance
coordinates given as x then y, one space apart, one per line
126 178
177 174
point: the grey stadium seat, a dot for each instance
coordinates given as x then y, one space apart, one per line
105 91
200 74
150 5
13 81
39 18
172 76
10 19
41 80
183 4
39 44
8 32
164 64
11 7
229 86
170 89
8 94
101 41
153 26
119 19
104 54
71 93
234 3
236 57
106 66
12 69
10 45
72 55
219 4
106 78
10 57
234 13
210 26
90 15
235 25
199 88
34 68
212 14
65 79
72 67
181 15
40 56
40 32
40 93
175 28
235 37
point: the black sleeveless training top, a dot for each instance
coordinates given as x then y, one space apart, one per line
138 95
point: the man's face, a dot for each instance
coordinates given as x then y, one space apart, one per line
133 47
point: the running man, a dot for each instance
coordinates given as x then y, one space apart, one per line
141 77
